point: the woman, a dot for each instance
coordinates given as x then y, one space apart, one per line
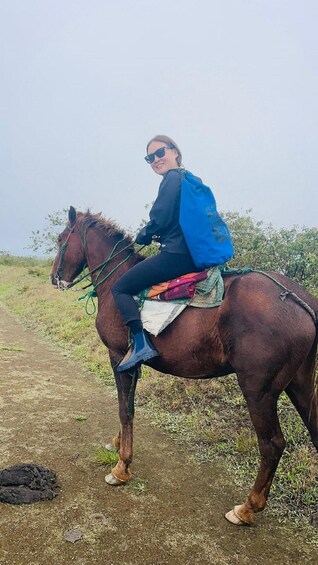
174 259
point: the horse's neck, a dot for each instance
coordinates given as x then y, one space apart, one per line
98 250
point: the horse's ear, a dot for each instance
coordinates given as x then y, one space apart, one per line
72 216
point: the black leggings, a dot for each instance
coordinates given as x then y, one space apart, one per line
160 268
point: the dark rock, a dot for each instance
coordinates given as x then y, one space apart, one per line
27 483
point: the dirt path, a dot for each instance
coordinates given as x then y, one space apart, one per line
171 514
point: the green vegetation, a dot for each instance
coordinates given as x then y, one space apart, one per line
104 456
137 486
291 251
45 240
26 291
210 417
11 348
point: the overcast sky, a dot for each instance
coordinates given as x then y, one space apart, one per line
86 83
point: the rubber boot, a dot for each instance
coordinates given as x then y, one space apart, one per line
141 351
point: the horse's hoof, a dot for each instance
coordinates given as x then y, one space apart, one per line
113 481
110 447
232 517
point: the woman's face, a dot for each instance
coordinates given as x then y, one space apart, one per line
162 165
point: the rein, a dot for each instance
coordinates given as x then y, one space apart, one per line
90 295
101 266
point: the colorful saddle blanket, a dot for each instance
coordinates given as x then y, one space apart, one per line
158 311
182 287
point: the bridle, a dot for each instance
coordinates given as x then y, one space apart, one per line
113 254
61 257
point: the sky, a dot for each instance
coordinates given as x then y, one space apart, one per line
85 84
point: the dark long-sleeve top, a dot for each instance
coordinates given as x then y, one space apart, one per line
164 216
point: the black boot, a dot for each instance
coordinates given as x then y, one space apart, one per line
141 351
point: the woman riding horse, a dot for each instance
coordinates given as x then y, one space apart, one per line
174 259
265 331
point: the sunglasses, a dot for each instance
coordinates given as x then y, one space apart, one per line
159 153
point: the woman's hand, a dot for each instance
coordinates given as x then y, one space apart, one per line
143 238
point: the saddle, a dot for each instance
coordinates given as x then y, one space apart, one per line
161 304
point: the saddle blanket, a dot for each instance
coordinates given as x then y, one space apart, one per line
156 314
182 287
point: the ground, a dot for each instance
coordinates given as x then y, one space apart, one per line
55 414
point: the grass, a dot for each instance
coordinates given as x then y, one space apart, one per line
137 486
103 456
109 458
27 293
11 348
209 417
28 262
212 418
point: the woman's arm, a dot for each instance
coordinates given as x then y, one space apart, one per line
161 213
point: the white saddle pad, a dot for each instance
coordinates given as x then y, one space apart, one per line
156 315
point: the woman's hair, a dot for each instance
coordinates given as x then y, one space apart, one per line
170 143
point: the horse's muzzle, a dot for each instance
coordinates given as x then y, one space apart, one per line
57 282
53 280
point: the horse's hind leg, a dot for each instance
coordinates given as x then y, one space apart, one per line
262 405
303 392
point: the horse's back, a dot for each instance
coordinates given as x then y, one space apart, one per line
266 307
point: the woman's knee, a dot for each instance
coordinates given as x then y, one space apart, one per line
117 288
114 290
124 285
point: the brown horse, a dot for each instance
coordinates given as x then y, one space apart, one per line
267 336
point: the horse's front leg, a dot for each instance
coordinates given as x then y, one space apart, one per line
126 386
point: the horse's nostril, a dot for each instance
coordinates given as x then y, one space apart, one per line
53 279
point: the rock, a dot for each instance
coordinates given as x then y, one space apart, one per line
27 483
99 517
73 535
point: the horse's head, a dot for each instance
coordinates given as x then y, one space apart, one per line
70 259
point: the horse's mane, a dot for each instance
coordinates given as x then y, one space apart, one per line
107 226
